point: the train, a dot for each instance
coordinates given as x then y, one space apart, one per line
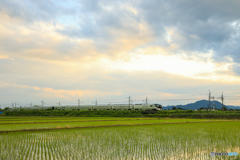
150 107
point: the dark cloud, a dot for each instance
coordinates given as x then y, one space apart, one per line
105 23
200 25
204 25
92 27
230 47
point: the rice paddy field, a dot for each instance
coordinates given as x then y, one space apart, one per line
116 138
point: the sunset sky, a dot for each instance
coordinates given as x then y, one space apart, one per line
173 52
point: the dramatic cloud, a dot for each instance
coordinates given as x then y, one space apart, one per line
63 50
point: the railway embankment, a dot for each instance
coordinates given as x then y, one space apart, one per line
122 113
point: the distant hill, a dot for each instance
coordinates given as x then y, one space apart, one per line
199 104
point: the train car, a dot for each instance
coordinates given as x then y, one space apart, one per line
152 107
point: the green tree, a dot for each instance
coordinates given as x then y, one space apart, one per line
6 108
224 108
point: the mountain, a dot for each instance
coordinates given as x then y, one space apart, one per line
199 104
233 107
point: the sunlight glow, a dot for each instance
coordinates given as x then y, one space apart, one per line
173 64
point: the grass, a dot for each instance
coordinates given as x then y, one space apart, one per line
133 113
36 123
170 141
35 119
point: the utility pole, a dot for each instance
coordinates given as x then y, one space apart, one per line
209 99
222 100
12 105
96 102
146 100
129 101
42 104
78 103
213 104
58 104
15 105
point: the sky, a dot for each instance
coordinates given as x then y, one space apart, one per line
172 52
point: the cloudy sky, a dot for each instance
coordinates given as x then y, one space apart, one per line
173 52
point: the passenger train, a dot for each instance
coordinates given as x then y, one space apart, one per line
151 107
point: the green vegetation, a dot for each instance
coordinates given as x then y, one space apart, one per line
50 119
110 113
170 141
91 113
36 123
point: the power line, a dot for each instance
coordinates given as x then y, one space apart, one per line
175 99
131 100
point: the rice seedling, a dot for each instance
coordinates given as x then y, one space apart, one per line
67 123
24 119
170 141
